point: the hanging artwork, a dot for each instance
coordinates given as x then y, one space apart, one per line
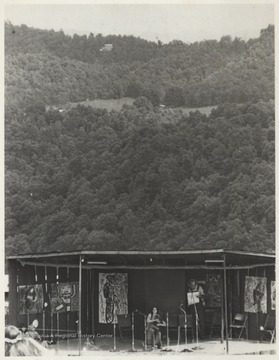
213 290
30 299
273 295
64 297
255 295
113 296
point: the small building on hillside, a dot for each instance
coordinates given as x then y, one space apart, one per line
83 291
107 47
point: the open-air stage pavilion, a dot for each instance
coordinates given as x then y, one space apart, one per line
76 297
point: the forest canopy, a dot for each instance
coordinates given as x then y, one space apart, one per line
146 177
52 67
140 179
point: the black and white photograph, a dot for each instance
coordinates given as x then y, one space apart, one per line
139 179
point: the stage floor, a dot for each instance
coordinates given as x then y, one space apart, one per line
103 349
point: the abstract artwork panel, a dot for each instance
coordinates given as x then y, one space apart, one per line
64 297
213 290
113 296
255 294
30 299
273 295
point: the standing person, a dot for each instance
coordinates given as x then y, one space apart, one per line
196 304
153 331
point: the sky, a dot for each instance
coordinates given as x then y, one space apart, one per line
165 22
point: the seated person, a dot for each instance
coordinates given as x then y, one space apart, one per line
153 331
32 333
18 345
22 327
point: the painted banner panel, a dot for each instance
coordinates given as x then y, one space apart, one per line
255 294
64 297
30 299
273 295
113 296
213 290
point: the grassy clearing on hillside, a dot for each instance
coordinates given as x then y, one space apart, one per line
108 104
117 104
204 110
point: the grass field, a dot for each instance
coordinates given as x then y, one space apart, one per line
109 104
117 104
206 110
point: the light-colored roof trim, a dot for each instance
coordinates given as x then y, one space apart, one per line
248 253
149 267
135 253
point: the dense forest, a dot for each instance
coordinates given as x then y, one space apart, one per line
142 178
51 67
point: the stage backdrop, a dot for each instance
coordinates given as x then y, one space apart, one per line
213 290
273 295
30 299
255 294
64 297
113 296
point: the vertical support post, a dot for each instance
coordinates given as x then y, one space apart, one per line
44 316
231 298
13 292
58 325
44 308
145 326
168 339
114 335
222 311
247 323
133 332
51 326
46 279
68 313
92 282
79 308
257 313
36 275
17 294
226 304
57 314
44 324
87 302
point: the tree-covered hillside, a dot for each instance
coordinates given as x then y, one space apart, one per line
146 177
51 67
141 178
